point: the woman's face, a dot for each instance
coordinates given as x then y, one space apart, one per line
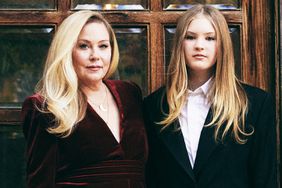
92 54
200 47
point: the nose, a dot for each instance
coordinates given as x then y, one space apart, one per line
199 44
94 56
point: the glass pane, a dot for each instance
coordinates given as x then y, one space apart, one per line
184 4
12 160
169 33
110 4
27 4
133 55
236 40
23 50
235 36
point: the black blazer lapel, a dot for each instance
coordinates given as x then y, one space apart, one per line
173 139
207 145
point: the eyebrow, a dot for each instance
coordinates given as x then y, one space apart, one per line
88 41
208 33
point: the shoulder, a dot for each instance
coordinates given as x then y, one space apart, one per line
119 84
33 108
125 89
254 92
157 95
31 102
257 96
155 103
32 116
260 102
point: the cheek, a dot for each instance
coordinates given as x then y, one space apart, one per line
212 49
215 51
79 57
187 54
187 47
107 55
214 57
78 62
75 57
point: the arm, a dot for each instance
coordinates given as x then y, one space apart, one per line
41 147
150 172
263 154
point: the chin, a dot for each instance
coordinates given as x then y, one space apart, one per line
95 78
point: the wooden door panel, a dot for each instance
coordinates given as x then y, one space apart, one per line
256 46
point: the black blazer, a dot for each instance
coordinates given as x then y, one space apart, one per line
224 164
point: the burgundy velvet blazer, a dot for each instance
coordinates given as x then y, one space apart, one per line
90 156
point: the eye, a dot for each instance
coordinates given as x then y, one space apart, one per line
104 46
83 46
189 37
210 38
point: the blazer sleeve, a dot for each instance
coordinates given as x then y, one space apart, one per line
263 154
41 147
150 172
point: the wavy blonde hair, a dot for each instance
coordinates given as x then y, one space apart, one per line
228 98
59 84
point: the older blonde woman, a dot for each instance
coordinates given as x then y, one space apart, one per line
206 129
82 129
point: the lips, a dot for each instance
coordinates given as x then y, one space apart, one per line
199 56
94 67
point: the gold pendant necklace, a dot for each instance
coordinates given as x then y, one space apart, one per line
100 106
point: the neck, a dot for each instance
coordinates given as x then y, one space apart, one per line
97 97
93 90
197 80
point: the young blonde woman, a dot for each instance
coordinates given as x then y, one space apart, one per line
205 128
82 129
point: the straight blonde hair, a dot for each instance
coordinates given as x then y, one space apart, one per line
59 84
228 99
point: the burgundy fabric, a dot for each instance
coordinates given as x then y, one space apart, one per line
90 156
105 172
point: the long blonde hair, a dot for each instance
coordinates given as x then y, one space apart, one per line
228 98
59 84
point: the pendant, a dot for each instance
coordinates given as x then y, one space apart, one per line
101 107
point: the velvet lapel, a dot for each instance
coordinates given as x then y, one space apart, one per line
172 137
115 90
206 146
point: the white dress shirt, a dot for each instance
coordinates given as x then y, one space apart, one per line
192 118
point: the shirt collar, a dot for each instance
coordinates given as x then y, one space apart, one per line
203 88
